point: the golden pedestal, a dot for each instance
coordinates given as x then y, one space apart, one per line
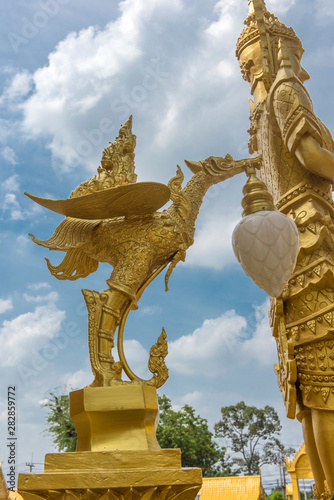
117 457
128 475
120 417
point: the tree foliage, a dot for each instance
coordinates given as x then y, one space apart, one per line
276 495
276 453
182 429
59 424
252 434
189 432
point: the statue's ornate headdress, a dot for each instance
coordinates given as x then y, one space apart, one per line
263 26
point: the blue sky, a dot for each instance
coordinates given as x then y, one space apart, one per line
71 73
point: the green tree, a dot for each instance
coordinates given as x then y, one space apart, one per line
59 424
177 429
276 495
189 432
251 433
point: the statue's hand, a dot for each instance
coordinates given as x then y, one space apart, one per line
223 168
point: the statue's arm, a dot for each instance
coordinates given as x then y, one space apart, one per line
314 157
302 131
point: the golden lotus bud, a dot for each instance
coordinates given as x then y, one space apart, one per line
266 244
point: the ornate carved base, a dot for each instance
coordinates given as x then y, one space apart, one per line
118 456
118 475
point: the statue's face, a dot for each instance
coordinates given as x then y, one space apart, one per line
251 61
295 53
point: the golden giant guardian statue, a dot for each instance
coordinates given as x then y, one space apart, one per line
298 168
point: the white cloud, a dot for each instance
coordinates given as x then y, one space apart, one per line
137 358
19 86
150 310
194 398
218 217
39 286
78 379
43 402
261 346
222 343
82 70
10 204
225 23
8 154
50 297
212 343
280 6
213 242
324 10
204 70
11 184
7 129
5 305
96 77
23 336
21 240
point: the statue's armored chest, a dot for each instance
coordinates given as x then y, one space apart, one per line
281 170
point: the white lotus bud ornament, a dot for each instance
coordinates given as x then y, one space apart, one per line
265 241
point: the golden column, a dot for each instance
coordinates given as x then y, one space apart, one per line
111 218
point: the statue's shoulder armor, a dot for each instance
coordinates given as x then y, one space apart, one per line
292 107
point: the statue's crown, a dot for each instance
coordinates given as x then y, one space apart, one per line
264 27
260 23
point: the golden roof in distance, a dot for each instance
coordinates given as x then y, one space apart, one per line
232 488
288 490
300 464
